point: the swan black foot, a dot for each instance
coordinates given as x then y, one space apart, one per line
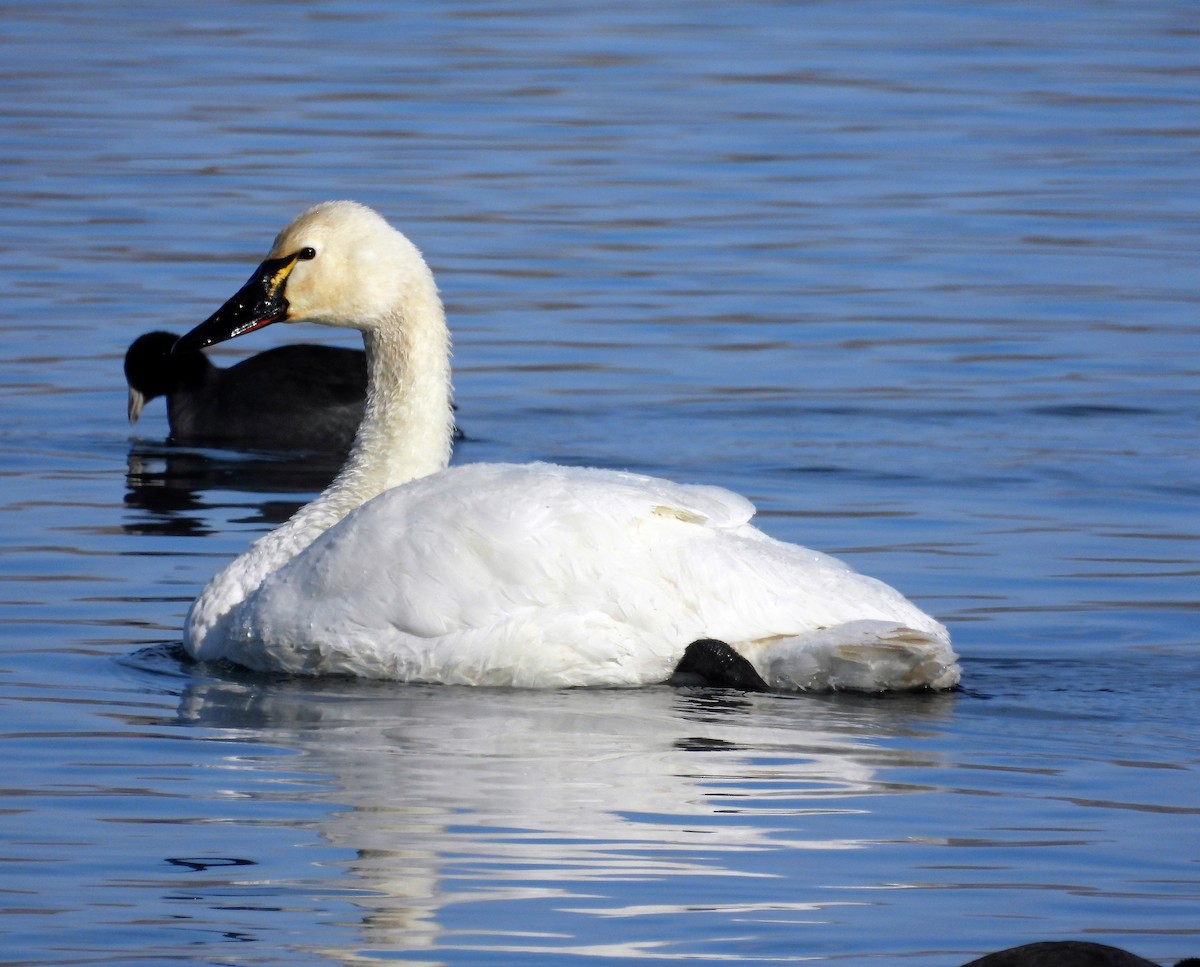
715 664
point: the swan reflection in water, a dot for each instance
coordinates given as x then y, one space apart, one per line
449 795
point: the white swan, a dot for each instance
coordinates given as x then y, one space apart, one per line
518 575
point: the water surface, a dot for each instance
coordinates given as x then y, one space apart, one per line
918 279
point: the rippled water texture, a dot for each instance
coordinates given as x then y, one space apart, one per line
921 280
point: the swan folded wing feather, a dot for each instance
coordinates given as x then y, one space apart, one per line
821 588
806 620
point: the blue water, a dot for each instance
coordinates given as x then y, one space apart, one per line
920 279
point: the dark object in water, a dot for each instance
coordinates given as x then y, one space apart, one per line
300 397
1068 953
715 664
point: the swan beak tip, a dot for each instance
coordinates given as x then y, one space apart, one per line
258 303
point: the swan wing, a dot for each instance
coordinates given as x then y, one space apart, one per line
542 576
490 573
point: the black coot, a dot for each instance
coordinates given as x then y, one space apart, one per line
300 397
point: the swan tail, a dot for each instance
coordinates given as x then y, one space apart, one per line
862 656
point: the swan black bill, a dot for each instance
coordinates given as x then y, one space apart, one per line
258 303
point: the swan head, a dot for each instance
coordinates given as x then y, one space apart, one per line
337 264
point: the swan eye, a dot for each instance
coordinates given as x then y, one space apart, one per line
306 254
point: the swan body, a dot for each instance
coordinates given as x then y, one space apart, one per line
301 397
512 575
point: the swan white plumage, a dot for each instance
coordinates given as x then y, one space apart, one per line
519 575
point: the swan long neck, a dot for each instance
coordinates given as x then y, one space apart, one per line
406 433
408 425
